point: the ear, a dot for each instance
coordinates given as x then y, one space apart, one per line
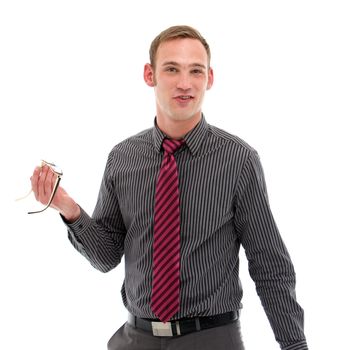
148 75
210 78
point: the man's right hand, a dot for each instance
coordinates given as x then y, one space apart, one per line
43 181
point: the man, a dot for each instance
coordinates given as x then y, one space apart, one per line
178 201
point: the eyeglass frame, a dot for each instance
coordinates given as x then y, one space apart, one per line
59 174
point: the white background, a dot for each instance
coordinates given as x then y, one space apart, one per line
71 87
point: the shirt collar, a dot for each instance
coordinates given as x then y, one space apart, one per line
193 138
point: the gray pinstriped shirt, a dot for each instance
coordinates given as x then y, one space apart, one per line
224 205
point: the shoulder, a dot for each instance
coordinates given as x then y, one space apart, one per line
129 151
230 140
135 142
243 154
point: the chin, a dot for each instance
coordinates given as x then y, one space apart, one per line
184 116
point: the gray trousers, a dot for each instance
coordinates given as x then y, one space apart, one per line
226 337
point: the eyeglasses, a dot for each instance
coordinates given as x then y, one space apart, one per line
58 172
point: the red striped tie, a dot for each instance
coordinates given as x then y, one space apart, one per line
166 245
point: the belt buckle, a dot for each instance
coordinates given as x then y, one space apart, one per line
161 329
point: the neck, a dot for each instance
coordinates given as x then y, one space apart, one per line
177 129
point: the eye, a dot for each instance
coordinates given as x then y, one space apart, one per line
197 71
171 69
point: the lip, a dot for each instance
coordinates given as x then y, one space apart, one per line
181 100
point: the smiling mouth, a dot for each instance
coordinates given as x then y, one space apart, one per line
184 97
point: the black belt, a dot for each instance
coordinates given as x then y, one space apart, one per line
183 325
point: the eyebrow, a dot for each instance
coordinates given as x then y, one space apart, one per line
173 63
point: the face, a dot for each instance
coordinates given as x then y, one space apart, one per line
180 78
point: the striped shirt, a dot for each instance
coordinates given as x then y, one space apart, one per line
224 205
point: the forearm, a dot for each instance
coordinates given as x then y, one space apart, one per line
286 317
272 270
103 247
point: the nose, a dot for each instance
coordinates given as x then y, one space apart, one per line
184 82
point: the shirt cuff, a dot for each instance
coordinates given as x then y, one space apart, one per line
302 345
79 226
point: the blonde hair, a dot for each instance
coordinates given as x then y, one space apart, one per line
176 32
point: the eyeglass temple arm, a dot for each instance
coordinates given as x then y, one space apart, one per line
24 197
51 197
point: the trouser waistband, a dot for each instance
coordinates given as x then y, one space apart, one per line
182 326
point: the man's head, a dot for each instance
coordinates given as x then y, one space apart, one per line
180 74
176 32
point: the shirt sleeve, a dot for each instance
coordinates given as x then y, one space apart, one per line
269 262
100 238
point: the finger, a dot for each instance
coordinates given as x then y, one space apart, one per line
41 183
49 183
34 181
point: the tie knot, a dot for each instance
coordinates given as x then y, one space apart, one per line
171 146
